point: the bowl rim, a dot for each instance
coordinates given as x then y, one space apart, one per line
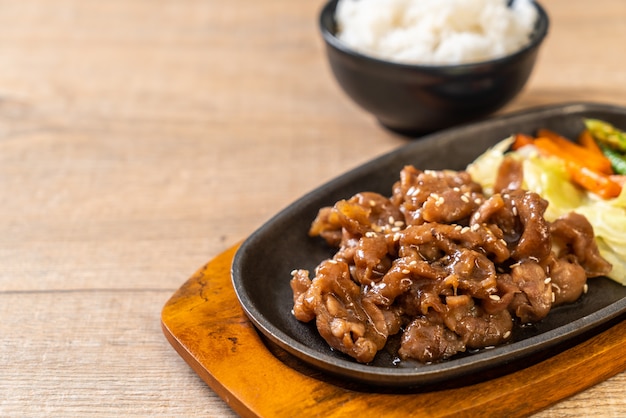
540 32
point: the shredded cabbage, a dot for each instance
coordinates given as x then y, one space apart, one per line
548 178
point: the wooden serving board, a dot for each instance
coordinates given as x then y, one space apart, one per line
206 325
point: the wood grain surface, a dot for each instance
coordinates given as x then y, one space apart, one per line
140 139
209 329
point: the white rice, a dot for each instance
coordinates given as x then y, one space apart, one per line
435 32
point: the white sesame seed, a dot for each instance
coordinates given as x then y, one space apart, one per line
458 228
553 297
372 203
585 288
413 263
475 227
507 334
370 234
391 220
396 229
547 280
514 210
293 272
465 198
397 236
398 223
515 265
456 189
464 229
478 201
406 271
494 297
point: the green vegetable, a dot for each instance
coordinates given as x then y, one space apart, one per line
606 134
548 177
618 161
483 169
607 218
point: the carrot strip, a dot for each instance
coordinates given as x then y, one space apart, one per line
591 160
521 140
580 172
586 141
550 148
619 179
595 182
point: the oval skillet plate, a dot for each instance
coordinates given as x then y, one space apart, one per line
261 268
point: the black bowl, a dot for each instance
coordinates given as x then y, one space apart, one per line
418 99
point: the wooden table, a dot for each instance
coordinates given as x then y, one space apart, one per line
139 139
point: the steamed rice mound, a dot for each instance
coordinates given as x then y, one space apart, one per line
435 32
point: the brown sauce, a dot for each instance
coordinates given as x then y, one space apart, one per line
450 269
